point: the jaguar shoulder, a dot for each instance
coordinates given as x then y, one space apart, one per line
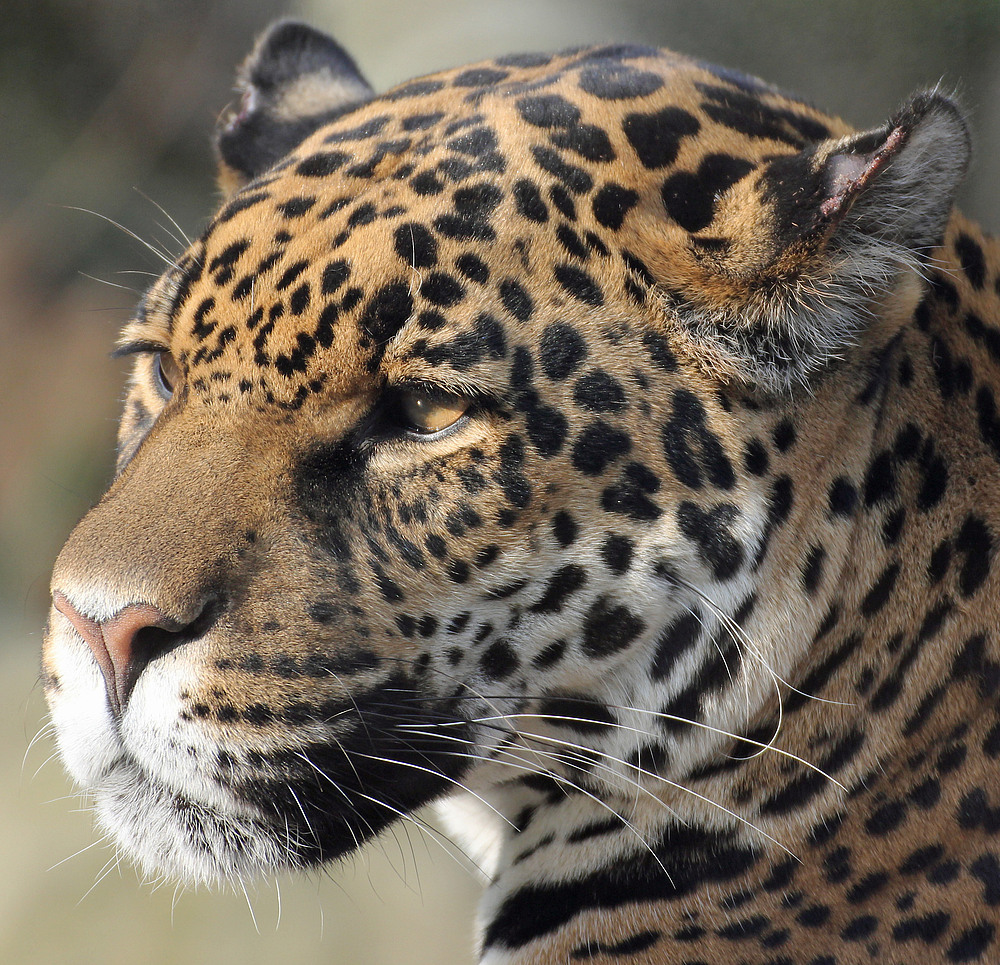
604 442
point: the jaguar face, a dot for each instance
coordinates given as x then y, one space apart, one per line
324 608
441 467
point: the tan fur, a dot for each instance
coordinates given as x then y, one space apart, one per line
274 487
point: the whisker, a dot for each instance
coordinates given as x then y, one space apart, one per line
522 765
48 760
586 753
75 854
431 833
434 773
305 817
109 866
428 829
246 895
673 718
160 253
277 890
674 784
111 284
744 638
46 730
183 240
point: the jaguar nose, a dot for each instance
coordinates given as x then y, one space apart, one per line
119 645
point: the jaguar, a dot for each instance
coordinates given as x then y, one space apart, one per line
602 445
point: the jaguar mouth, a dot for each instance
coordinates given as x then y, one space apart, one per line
210 810
172 836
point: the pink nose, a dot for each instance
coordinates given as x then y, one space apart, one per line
113 643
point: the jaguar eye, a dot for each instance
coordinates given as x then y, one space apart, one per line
168 373
426 412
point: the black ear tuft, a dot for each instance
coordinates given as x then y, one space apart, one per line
295 80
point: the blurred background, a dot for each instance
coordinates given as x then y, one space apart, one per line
107 107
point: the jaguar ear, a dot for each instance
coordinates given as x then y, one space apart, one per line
895 183
801 252
295 80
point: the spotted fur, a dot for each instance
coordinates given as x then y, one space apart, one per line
691 617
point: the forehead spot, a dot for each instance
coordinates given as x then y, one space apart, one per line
613 81
657 137
322 164
529 201
548 110
612 203
587 140
442 289
690 197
